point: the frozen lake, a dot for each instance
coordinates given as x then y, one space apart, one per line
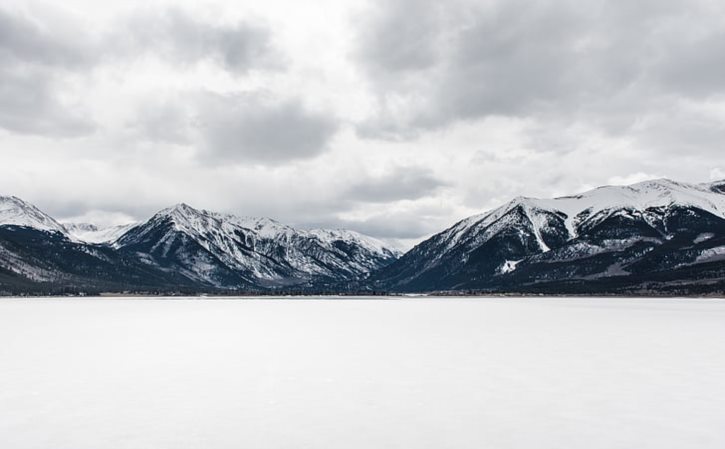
408 374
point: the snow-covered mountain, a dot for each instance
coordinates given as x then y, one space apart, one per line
178 249
607 232
90 233
656 236
228 250
16 212
38 255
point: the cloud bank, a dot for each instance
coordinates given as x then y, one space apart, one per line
394 118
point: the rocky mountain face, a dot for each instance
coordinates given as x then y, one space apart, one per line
178 249
39 262
220 249
653 236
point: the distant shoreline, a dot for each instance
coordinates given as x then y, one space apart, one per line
387 297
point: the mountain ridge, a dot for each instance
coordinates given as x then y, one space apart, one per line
14 211
207 249
654 237
488 251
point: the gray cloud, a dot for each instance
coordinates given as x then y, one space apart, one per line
414 27
164 119
176 35
604 63
403 183
500 59
33 64
29 105
253 128
694 65
682 130
395 226
22 40
536 98
41 62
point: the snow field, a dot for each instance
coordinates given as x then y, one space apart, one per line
414 373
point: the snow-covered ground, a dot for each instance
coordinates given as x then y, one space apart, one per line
413 373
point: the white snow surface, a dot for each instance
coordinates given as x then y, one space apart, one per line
90 233
16 212
509 266
711 254
423 373
703 237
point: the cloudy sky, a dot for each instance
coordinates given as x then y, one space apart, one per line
393 118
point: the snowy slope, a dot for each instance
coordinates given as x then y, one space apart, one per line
370 243
598 204
620 220
90 233
16 212
213 246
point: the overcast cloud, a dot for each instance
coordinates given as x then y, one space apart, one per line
395 118
251 128
34 64
178 36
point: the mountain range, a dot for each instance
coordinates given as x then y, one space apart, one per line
179 249
654 237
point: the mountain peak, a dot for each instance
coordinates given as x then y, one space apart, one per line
6 200
181 208
16 212
525 201
657 181
607 232
660 184
188 218
210 246
181 211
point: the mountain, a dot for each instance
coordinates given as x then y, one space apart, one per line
223 250
90 233
16 212
655 235
179 249
38 255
